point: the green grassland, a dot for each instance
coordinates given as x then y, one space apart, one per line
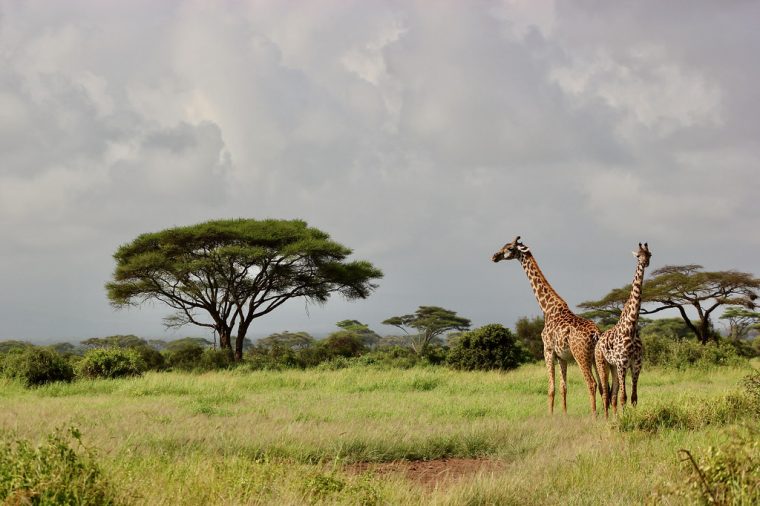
291 437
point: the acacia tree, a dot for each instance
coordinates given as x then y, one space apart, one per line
684 287
367 336
224 274
287 340
740 321
430 322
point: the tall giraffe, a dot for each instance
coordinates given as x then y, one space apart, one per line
619 348
565 335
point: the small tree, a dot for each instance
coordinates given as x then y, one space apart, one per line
224 274
287 340
488 347
672 329
117 341
741 321
684 287
528 332
368 336
429 322
343 343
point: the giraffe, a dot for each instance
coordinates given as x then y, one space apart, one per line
565 335
619 348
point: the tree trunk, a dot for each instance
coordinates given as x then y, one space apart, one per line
704 331
224 338
242 331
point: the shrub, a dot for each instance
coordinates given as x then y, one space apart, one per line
36 366
154 359
272 358
111 363
336 363
52 473
488 347
214 360
397 357
186 357
752 388
529 334
687 353
723 476
695 415
343 343
310 357
657 349
14 345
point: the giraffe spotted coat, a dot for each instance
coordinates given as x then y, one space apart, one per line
619 348
566 335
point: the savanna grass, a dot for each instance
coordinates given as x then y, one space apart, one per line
286 437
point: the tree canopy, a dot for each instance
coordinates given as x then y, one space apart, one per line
287 340
368 336
117 341
429 322
683 287
224 274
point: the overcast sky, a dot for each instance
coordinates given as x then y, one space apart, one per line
423 135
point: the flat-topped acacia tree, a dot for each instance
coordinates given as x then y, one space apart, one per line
224 274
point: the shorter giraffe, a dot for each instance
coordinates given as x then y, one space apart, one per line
619 348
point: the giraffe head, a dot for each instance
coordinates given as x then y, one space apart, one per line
511 250
643 255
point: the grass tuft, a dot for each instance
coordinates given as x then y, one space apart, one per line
58 471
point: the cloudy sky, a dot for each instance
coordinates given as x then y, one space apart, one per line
423 135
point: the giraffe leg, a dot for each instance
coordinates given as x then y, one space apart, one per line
615 388
634 382
563 383
549 359
603 376
585 365
623 397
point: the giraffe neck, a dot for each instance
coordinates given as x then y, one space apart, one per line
549 301
630 314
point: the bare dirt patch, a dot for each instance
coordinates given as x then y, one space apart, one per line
429 473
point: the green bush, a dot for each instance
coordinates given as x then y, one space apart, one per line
111 363
727 475
391 357
343 343
724 410
214 360
273 358
154 359
336 363
14 345
751 385
36 366
688 353
489 347
185 358
58 471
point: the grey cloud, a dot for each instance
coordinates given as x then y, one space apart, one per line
422 137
